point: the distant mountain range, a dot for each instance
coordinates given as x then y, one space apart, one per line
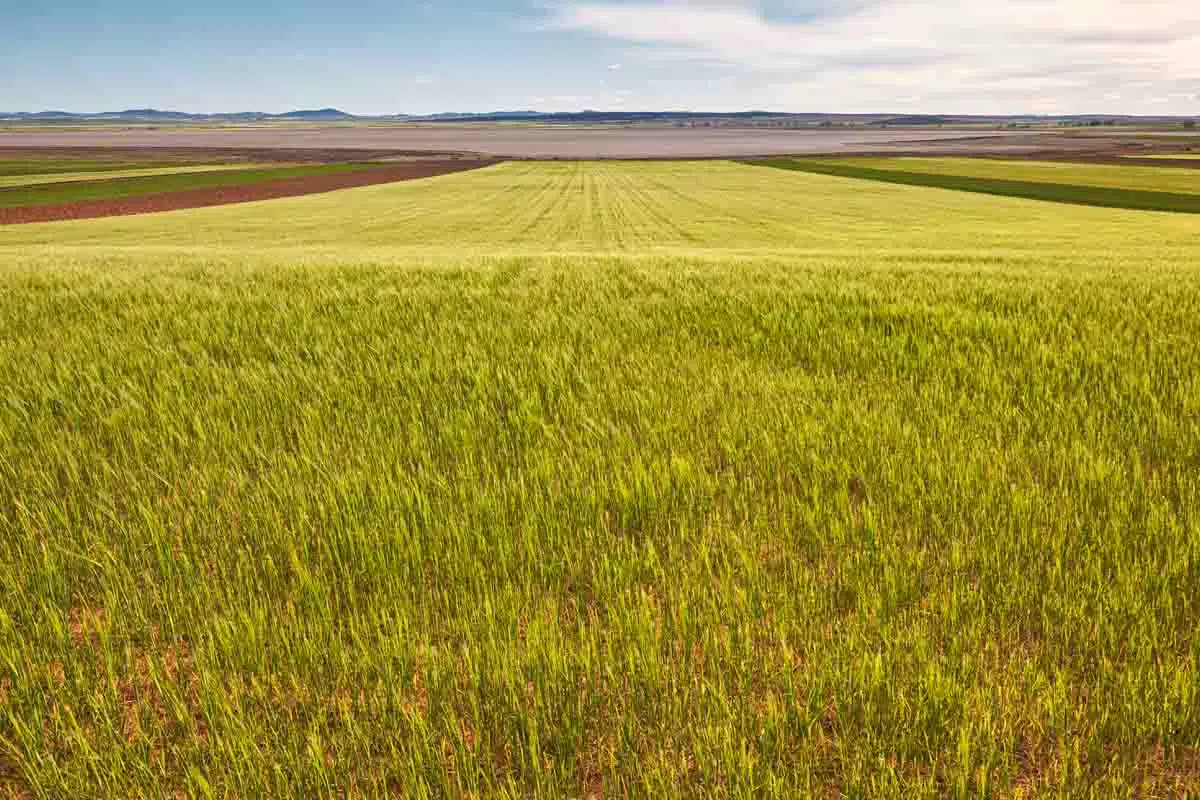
152 116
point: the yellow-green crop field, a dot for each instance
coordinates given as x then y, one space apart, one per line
1176 156
1136 175
602 480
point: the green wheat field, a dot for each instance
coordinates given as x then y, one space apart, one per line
603 480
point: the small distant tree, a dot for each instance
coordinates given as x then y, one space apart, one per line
1189 124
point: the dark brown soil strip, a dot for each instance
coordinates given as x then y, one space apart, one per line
223 195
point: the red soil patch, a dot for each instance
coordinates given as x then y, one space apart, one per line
222 195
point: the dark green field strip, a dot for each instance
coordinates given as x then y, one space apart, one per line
45 166
1108 197
74 191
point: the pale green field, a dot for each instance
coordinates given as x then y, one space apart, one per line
1161 179
59 177
640 209
1169 155
623 480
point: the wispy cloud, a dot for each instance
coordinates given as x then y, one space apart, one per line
1055 54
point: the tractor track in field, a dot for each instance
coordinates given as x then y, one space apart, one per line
244 193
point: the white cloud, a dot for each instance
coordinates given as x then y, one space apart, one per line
1018 55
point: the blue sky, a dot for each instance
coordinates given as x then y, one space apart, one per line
372 56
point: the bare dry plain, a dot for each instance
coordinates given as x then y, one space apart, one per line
571 142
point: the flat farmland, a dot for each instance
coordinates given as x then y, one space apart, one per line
31 197
600 479
1155 187
1182 156
1143 175
36 179
568 141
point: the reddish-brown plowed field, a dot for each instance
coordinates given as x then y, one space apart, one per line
216 196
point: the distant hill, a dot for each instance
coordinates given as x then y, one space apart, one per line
152 113
319 115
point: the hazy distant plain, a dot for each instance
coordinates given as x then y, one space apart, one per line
552 142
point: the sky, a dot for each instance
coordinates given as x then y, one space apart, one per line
410 56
